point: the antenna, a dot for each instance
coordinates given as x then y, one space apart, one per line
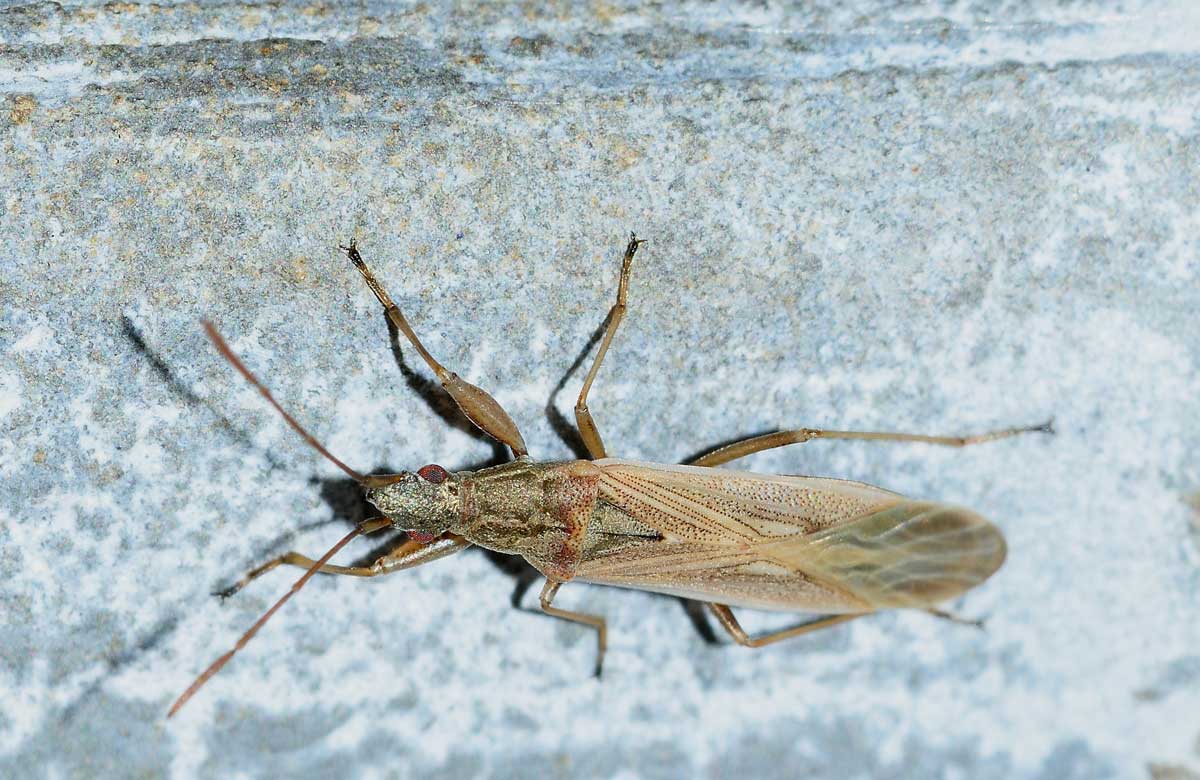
228 354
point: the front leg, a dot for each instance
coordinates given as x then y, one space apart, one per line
405 555
475 402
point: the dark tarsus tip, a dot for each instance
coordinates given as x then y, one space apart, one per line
225 593
351 252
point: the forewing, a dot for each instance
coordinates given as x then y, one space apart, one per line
712 525
718 506
802 543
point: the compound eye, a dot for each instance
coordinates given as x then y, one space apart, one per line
433 473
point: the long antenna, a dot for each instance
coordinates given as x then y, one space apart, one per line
366 527
228 354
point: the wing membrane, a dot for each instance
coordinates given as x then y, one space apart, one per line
913 554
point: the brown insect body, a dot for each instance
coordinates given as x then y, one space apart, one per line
834 547
749 540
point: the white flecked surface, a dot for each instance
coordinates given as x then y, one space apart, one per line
939 217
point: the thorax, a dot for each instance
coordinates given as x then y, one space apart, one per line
537 510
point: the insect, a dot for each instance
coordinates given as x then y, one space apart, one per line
833 547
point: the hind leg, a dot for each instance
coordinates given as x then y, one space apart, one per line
725 615
740 449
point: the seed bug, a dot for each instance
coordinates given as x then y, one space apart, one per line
832 547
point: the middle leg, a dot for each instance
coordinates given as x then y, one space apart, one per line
595 621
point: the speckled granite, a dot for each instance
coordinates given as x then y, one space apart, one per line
939 217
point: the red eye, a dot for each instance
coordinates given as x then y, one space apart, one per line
433 473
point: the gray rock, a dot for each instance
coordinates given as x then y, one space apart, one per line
939 217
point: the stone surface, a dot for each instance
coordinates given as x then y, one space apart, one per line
936 217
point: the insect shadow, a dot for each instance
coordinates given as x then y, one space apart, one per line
150 639
115 662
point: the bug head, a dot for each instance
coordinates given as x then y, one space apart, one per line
424 503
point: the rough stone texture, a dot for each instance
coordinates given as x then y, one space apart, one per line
930 216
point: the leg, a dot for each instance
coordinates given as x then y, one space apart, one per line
479 407
405 555
953 618
729 622
583 416
595 621
740 449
